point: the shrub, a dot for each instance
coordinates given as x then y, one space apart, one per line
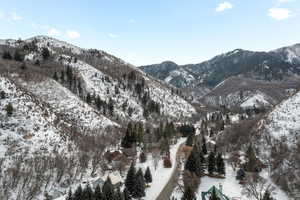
9 109
143 157
45 53
167 162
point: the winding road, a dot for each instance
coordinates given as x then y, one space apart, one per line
166 192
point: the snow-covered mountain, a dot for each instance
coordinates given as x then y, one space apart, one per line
269 66
290 54
171 73
106 76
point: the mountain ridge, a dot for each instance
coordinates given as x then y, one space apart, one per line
280 62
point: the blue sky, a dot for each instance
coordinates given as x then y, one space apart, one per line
151 31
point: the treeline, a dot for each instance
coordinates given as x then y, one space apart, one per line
137 134
107 192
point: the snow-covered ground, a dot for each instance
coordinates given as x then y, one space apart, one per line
65 102
161 175
284 119
31 126
230 186
256 100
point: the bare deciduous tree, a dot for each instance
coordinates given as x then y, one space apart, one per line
256 187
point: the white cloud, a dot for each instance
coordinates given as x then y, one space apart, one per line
111 35
224 6
131 21
53 32
280 13
73 34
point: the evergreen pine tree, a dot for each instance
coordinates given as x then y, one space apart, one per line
251 159
87 192
119 195
47 196
23 66
202 158
188 194
130 181
78 193
126 194
215 149
70 195
143 157
111 106
214 195
37 62
140 133
139 189
204 149
211 163
220 164
9 109
62 76
148 176
55 77
193 163
88 98
18 56
108 190
98 193
267 196
129 138
45 53
6 55
2 95
190 141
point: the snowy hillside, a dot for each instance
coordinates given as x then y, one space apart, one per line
246 99
290 54
101 75
67 104
257 100
279 143
283 121
237 91
31 127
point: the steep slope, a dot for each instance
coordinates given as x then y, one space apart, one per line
31 127
33 140
79 113
133 95
278 142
